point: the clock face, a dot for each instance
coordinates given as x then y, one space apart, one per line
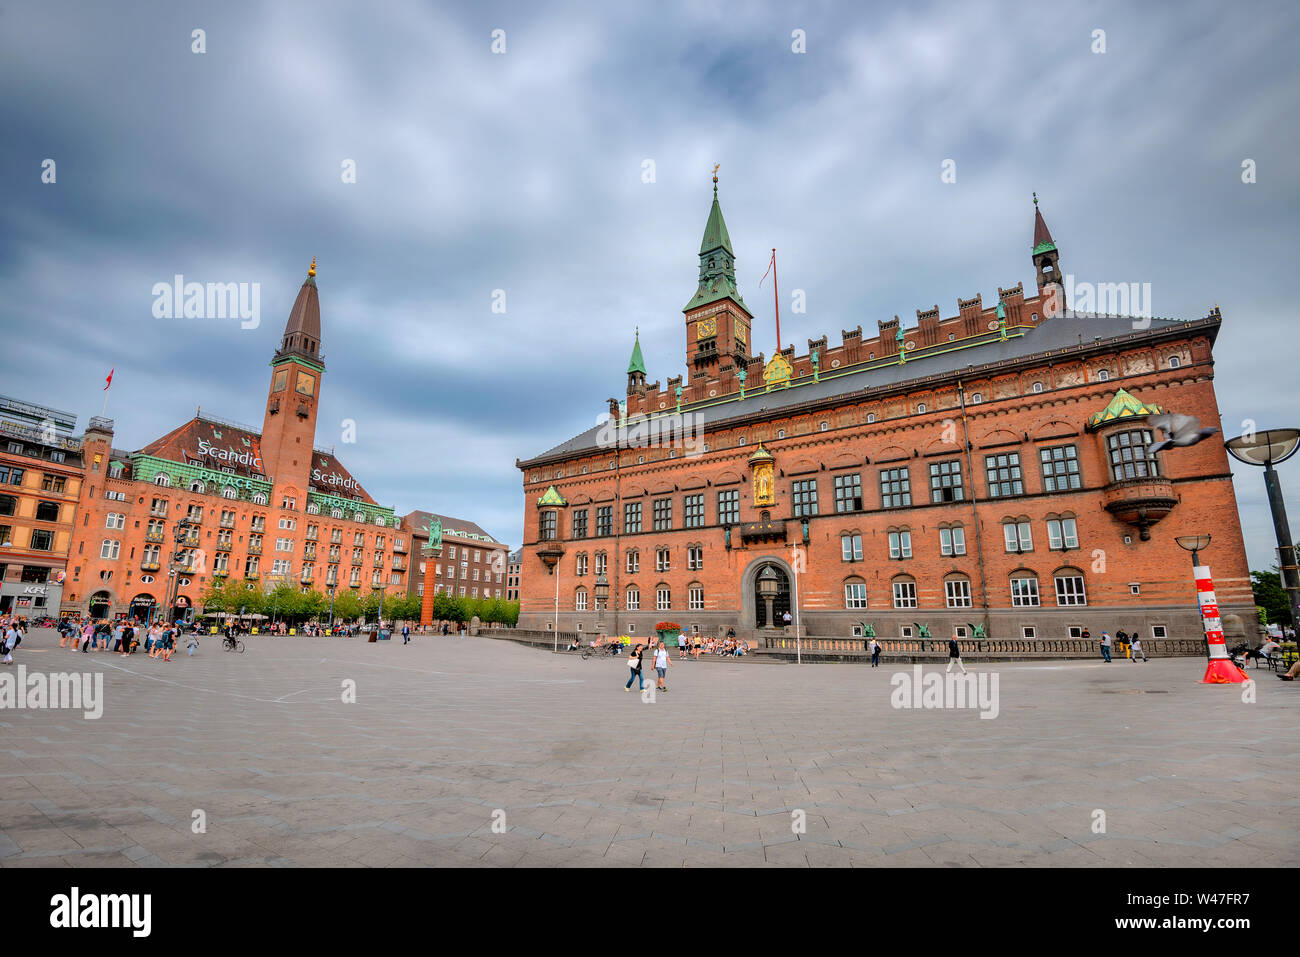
740 332
705 328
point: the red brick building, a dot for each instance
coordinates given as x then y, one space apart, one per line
268 507
987 469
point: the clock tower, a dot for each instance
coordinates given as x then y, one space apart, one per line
289 427
717 319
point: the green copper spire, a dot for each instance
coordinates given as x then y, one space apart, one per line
636 363
717 260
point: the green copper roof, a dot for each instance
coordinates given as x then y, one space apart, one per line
717 263
552 497
1122 406
1044 247
715 230
636 363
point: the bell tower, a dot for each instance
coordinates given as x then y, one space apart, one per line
717 319
289 427
1047 260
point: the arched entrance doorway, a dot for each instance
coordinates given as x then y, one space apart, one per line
100 604
142 607
181 609
758 604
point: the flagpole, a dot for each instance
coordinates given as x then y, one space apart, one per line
776 303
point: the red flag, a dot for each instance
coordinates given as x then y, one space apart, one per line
770 266
109 380
776 306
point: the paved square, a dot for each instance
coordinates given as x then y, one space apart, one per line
446 731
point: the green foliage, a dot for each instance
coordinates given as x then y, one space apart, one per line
1271 596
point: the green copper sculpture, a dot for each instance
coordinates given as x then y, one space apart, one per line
976 631
922 631
868 629
434 528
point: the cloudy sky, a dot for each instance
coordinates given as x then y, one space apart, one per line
522 171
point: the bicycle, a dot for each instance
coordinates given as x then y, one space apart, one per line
232 644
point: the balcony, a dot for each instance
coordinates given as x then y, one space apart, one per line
398 565
223 546
550 552
227 523
399 546
354 584
254 548
357 562
195 518
309 554
150 566
155 535
251 573
306 578
220 572
1140 502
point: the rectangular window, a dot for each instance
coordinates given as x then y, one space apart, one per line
1129 457
694 511
663 514
1159 631
895 488
1024 592
695 598
53 483
661 560
904 594
1062 533
805 498
1060 468
43 540
695 558
604 520
633 599
957 592
663 599
580 523
632 517
851 548
547 527
1069 590
633 562
581 603
855 595
945 481
728 507
601 563
952 541
109 549
1029 631
900 544
848 493
1018 536
1004 476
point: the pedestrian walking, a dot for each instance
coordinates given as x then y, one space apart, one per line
634 663
875 653
954 656
662 664
406 634
1105 646
786 619
1137 649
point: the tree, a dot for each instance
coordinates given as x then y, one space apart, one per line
1271 596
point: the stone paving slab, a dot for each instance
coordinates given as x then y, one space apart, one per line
475 752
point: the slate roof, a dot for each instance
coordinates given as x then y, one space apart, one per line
419 520
1051 336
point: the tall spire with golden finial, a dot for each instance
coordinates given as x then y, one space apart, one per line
312 270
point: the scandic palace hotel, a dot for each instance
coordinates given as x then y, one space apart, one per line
988 469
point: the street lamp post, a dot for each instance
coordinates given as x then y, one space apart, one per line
1269 448
381 606
602 596
332 587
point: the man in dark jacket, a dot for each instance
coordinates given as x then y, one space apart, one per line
954 655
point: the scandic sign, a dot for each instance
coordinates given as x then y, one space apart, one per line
229 454
334 479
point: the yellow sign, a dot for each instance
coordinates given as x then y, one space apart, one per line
778 372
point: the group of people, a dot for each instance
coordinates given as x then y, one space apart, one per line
1123 643
709 645
11 636
123 636
635 662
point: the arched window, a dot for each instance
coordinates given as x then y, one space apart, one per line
1175 362
1069 587
976 398
229 492
1103 375
920 407
825 426
956 591
163 479
358 516
871 417
379 520
1038 387
1024 589
336 513
855 593
197 486
259 498
633 598
580 564
780 433
904 587
313 508
695 596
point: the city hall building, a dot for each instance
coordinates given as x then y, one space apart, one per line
983 472
264 507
